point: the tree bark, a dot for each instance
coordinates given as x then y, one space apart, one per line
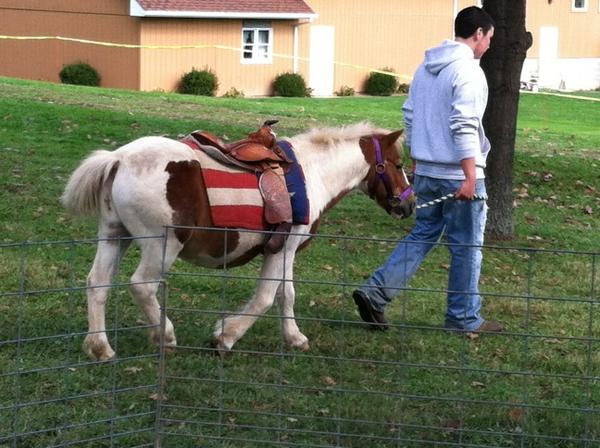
502 65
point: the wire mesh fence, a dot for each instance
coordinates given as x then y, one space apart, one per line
535 385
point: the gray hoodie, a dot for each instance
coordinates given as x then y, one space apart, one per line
443 112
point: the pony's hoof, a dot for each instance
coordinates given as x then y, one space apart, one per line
303 347
301 343
170 349
98 349
168 340
219 347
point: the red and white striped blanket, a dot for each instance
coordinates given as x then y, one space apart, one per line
233 194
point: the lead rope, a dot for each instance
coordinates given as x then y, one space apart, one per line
445 198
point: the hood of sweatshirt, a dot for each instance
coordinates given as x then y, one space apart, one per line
437 58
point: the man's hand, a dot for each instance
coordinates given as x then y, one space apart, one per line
467 188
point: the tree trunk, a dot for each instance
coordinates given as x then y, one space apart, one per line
502 65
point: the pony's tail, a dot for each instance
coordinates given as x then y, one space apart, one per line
82 193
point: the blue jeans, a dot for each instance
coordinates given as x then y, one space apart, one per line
464 224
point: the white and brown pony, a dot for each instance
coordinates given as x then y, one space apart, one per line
154 182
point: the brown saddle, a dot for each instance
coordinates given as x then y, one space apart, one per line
259 146
259 153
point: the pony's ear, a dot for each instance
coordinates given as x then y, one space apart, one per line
391 138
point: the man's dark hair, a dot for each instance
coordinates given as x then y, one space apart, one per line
469 19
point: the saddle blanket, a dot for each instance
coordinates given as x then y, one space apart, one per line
235 199
233 194
296 185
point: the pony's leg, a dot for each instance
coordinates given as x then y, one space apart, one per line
146 281
99 278
292 335
229 330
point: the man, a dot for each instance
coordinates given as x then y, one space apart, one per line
443 131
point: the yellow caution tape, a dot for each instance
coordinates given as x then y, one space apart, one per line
564 95
187 47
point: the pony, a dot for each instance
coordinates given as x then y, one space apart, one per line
154 183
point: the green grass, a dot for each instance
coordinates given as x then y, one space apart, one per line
412 386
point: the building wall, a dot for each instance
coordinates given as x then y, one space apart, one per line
373 34
107 20
365 35
579 32
162 69
566 45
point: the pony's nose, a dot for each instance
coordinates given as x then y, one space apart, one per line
404 209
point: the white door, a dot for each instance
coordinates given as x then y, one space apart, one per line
549 73
321 60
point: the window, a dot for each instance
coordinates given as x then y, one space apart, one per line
579 5
257 43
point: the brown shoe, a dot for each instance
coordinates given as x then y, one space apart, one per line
375 319
489 326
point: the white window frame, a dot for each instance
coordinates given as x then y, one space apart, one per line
256 55
583 8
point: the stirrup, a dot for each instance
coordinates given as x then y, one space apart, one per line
277 240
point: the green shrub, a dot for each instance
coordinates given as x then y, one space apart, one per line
345 91
199 82
234 93
79 73
403 88
290 84
381 84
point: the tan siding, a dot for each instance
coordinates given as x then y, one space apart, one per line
120 7
162 69
376 35
579 32
43 59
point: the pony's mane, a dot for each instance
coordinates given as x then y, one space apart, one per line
331 136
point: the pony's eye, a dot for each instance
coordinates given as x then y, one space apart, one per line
399 166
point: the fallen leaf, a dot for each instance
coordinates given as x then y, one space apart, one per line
292 419
39 212
328 380
515 414
451 425
328 267
522 193
157 396
477 384
535 238
588 210
133 369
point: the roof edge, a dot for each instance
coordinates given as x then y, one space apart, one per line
135 10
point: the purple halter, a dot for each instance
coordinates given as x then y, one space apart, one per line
380 170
